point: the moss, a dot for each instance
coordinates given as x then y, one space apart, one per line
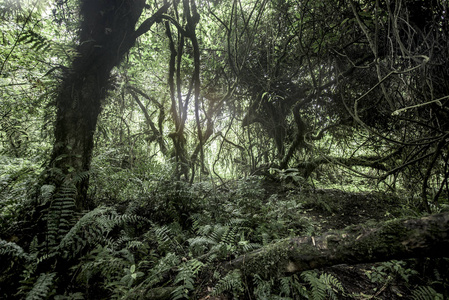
282 257
376 244
363 243
267 262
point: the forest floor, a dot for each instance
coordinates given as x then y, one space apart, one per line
336 209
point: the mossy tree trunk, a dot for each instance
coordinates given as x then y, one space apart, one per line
107 33
398 239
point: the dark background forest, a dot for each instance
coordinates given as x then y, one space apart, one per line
224 149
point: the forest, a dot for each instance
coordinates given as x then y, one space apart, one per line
224 149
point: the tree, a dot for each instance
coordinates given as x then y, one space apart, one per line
369 76
396 239
107 32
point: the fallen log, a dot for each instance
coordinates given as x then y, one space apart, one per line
396 239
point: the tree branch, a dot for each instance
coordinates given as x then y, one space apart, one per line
156 17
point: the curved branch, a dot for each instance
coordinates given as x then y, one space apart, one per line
156 17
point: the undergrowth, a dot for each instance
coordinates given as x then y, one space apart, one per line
169 241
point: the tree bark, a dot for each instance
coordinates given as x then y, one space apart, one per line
398 239
107 33
374 162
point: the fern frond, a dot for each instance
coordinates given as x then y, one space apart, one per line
71 296
229 235
426 293
323 285
262 288
42 287
186 278
164 265
90 229
10 251
200 243
165 238
230 282
37 41
93 229
331 280
135 245
205 230
285 286
80 176
105 263
60 212
235 222
47 191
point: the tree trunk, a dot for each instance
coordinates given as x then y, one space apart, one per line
398 239
107 33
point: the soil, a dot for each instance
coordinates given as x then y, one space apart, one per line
344 208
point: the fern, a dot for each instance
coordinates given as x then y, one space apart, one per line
285 283
37 41
200 244
80 176
14 261
135 245
107 267
93 229
221 241
164 265
186 278
10 252
426 293
60 212
326 285
246 245
164 237
231 282
262 288
71 296
47 191
42 287
90 229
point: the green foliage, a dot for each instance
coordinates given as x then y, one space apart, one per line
157 269
185 279
289 176
220 242
231 283
16 177
287 215
87 245
426 293
93 228
323 286
131 274
13 257
262 289
392 272
37 41
165 236
42 288
60 211
389 271
119 254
